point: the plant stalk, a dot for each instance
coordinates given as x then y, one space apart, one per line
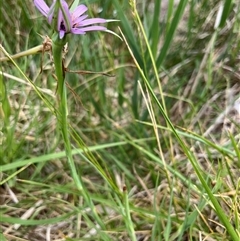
57 47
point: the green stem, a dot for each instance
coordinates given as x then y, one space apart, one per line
57 47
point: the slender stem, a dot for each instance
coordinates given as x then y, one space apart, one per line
57 47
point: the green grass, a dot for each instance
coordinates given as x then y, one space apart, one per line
155 142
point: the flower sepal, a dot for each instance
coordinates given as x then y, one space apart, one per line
58 41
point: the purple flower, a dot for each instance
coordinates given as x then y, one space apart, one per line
75 21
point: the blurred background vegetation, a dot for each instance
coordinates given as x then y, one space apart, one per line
198 71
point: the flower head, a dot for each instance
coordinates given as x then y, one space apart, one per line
75 21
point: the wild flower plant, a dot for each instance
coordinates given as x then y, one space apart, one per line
65 20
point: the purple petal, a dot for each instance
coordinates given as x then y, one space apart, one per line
92 21
91 28
42 7
78 21
81 9
77 31
61 34
51 12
